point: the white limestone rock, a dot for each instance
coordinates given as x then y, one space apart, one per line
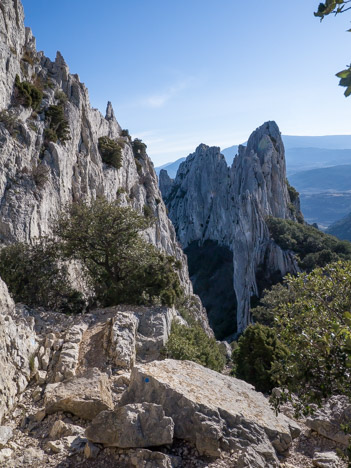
136 425
153 331
74 170
123 339
84 396
213 411
18 346
210 201
326 460
328 419
5 435
69 355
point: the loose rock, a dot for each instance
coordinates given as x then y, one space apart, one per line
213 411
84 396
135 425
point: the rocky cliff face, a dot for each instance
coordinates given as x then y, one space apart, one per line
208 201
38 177
18 345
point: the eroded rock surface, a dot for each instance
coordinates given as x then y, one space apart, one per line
39 177
213 411
18 345
137 425
210 201
329 419
84 396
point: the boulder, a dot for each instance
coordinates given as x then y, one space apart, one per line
84 396
326 460
327 421
142 458
91 450
73 444
62 429
5 435
213 411
135 425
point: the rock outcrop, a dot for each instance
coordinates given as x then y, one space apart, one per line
208 201
331 418
18 345
198 417
132 426
213 411
165 183
85 396
39 177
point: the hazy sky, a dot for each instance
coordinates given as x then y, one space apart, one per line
182 72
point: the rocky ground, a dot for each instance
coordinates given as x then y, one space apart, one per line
100 395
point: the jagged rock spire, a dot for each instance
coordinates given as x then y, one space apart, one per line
210 201
110 115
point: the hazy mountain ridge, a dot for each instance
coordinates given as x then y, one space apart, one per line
319 174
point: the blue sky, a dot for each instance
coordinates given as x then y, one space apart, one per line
182 72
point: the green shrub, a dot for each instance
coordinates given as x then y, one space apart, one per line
122 266
120 191
49 84
139 167
61 96
58 124
258 349
125 133
293 193
27 94
40 174
33 127
139 148
147 210
110 151
29 57
313 247
193 344
49 135
311 316
35 277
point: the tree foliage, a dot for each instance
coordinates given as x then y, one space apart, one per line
122 266
192 343
36 277
27 94
313 320
110 151
336 7
312 247
258 350
139 147
58 124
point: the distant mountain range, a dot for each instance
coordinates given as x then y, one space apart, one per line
171 168
302 153
333 179
319 167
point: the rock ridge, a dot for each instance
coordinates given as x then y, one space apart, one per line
39 177
210 201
